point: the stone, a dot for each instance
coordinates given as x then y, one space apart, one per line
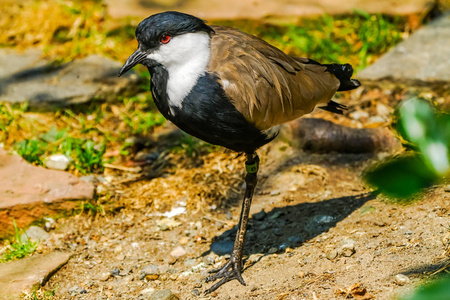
28 77
275 193
28 192
423 57
178 252
57 162
348 248
183 240
331 254
167 224
147 291
35 233
401 279
76 290
259 216
149 270
272 250
163 295
103 276
28 274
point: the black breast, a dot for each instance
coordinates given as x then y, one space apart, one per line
208 114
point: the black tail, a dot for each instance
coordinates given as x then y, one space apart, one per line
344 74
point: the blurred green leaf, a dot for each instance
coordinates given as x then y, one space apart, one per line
439 290
401 177
420 124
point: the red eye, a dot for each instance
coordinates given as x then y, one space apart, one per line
165 39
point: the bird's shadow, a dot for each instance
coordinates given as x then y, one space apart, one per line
290 226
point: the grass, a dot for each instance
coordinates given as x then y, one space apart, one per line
88 134
18 249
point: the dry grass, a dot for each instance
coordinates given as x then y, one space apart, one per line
64 29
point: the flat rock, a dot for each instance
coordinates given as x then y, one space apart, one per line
423 57
30 192
26 76
27 274
258 9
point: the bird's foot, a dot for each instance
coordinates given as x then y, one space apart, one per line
229 271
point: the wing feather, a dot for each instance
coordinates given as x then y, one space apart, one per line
266 85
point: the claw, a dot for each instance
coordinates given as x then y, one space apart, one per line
229 271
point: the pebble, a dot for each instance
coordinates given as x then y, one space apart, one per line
135 245
348 248
272 250
331 254
115 272
125 272
209 260
359 115
151 277
178 252
149 270
198 225
57 162
167 224
35 233
163 295
195 292
104 276
184 240
301 274
146 292
401 279
75 290
49 224
323 219
101 189
275 193
278 231
447 188
198 284
259 216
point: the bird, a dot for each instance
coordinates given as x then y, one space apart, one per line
231 89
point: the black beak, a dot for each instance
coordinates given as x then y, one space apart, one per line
137 57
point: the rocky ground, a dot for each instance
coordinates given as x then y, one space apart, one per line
316 232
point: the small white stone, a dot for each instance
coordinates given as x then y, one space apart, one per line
401 279
57 162
178 252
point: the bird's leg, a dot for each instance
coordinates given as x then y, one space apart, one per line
232 269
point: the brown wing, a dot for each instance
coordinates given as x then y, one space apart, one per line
266 85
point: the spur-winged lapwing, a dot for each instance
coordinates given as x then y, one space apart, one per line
231 89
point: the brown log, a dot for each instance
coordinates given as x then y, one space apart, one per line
322 136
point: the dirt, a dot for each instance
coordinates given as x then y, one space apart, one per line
324 234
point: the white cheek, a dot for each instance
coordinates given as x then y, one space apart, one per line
186 58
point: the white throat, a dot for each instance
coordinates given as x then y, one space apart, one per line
186 58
